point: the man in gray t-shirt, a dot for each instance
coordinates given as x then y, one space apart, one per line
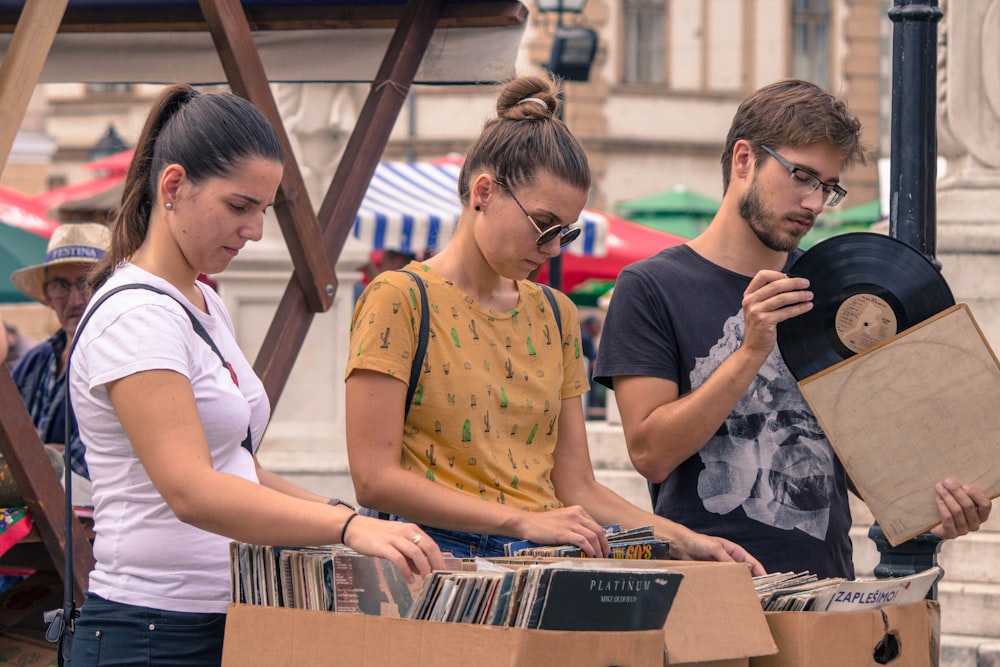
712 416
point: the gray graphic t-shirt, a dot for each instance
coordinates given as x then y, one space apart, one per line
768 478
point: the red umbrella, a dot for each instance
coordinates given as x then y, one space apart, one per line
25 213
116 164
112 170
627 242
56 197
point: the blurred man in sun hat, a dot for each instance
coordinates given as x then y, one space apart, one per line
61 283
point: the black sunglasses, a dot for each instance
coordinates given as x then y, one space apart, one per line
566 235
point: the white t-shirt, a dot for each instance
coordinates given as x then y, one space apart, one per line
145 555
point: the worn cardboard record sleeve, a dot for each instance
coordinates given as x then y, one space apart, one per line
905 414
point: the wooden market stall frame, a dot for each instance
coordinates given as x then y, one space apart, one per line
314 241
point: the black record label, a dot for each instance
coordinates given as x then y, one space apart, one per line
866 288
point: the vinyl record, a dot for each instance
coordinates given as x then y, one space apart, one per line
867 287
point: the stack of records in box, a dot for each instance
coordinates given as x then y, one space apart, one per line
636 543
565 595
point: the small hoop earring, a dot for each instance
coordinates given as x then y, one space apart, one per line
169 206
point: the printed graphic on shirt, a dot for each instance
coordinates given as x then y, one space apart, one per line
770 456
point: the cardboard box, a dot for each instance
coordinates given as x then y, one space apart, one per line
715 621
834 639
279 637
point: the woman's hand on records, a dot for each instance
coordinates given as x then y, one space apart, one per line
696 546
570 525
963 507
409 548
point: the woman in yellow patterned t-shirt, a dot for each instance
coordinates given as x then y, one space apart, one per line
493 445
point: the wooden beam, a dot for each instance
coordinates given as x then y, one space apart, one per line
314 271
36 29
304 16
37 24
36 479
357 166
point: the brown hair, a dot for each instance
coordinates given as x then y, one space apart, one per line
793 113
210 135
526 137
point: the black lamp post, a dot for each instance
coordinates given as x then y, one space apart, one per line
573 47
573 51
561 7
913 146
912 203
109 144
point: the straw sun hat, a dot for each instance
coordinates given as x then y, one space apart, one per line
71 243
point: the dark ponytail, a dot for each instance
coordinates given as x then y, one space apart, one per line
209 134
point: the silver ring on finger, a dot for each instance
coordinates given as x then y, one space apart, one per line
416 539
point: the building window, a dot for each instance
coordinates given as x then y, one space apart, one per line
811 41
644 51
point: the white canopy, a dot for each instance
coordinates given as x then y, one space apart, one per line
164 41
413 207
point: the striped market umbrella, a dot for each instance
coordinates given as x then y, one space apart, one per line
413 207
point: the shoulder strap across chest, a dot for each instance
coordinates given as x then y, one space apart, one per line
424 333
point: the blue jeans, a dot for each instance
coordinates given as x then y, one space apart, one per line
465 545
110 634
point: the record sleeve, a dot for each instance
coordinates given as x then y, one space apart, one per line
866 288
914 410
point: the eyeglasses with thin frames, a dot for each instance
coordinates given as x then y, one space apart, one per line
566 235
808 183
59 288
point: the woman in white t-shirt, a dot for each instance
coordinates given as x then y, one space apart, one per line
170 423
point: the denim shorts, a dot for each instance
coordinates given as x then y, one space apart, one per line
465 545
113 634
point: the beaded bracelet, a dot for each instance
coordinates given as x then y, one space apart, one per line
347 523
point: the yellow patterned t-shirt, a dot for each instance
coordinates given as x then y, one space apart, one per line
485 413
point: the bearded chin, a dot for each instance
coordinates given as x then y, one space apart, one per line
755 215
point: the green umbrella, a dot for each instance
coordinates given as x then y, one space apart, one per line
677 201
589 291
862 214
819 233
858 218
687 226
18 249
678 211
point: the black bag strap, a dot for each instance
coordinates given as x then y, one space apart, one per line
551 296
199 329
423 334
195 324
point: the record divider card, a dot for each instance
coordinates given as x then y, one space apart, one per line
905 414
